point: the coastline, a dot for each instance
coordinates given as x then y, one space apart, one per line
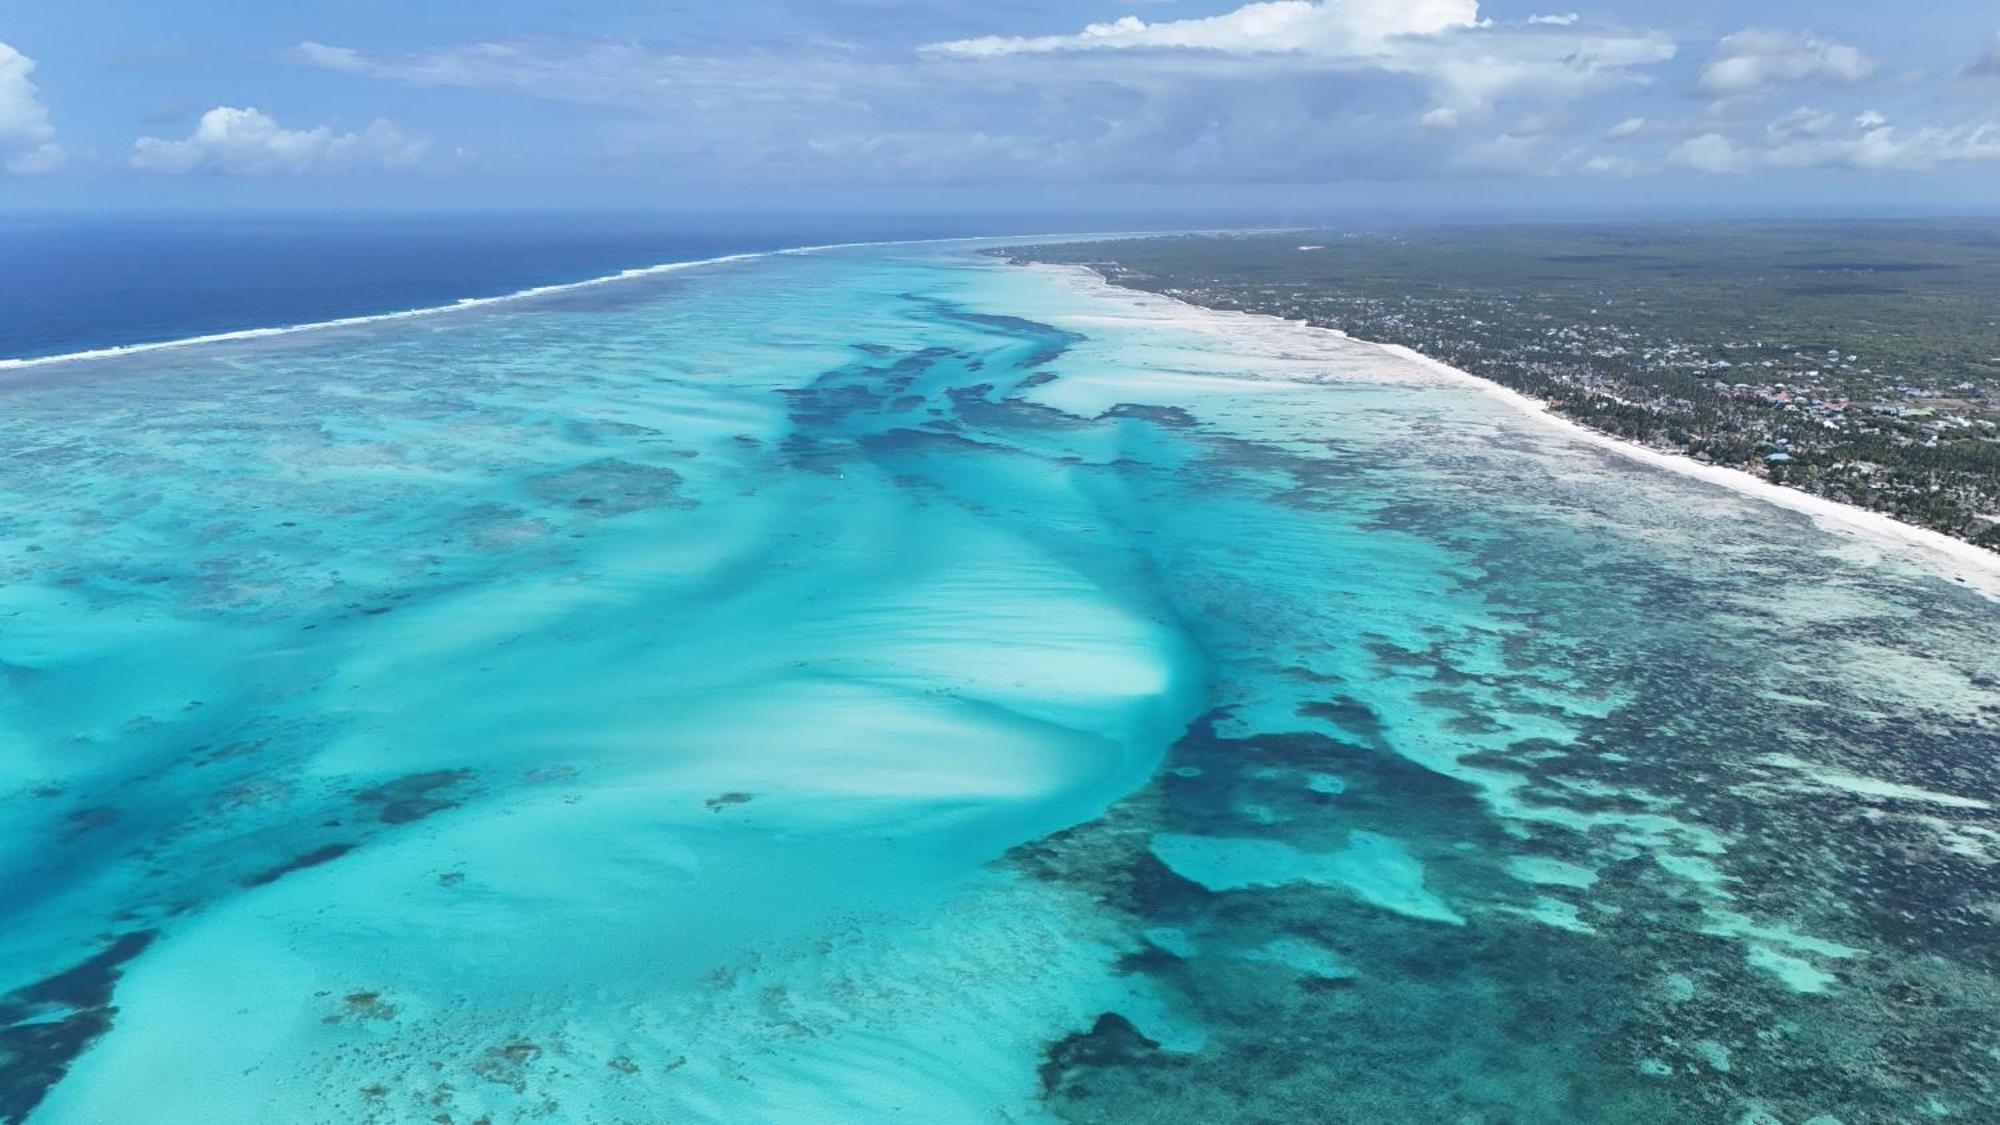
1955 559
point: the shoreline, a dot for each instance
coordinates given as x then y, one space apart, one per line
1956 560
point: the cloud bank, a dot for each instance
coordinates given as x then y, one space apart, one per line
1329 28
1466 62
1273 91
1868 142
1755 60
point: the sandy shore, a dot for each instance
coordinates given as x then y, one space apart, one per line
1962 562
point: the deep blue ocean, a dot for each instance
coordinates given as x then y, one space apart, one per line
80 283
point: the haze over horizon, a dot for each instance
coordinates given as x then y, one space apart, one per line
1263 111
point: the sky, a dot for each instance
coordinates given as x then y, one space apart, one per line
1285 109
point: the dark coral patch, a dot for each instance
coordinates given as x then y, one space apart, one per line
1170 416
416 796
1352 716
51 1022
313 858
1111 1042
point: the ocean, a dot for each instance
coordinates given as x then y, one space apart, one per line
77 283
886 681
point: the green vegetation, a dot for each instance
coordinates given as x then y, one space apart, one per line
1856 361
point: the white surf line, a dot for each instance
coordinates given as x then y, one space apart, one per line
463 303
372 318
1974 567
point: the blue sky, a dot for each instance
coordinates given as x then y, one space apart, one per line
1294 106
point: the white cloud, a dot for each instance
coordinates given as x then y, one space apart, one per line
1276 91
842 113
1884 148
1804 121
1814 138
246 142
39 161
1754 60
330 58
1711 152
1333 28
1467 62
23 117
1475 69
26 133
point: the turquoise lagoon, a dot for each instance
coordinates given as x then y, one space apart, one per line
886 683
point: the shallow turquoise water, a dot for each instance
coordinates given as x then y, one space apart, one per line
890 683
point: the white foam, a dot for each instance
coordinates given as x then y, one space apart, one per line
459 305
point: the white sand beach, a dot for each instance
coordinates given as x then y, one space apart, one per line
1962 562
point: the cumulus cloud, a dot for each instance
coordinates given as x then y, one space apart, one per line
1336 28
1885 148
1261 112
23 117
1467 62
247 142
1280 91
1754 60
39 161
1475 69
26 133
1711 152
1815 138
